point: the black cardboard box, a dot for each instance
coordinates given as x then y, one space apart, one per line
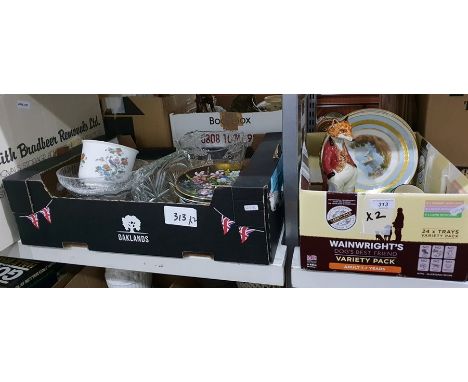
21 273
97 224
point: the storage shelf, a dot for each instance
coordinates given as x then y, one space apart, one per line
301 278
193 266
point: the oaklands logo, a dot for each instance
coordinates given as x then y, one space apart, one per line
132 232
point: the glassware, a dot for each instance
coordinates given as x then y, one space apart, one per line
85 187
208 147
156 182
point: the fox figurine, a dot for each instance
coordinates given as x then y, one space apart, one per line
337 164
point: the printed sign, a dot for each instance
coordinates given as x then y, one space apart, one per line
247 123
221 139
36 127
182 216
443 209
379 218
341 210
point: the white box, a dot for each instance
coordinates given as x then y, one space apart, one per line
248 123
35 127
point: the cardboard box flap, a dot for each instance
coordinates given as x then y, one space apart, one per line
436 174
16 184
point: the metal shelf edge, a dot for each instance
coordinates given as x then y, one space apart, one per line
193 266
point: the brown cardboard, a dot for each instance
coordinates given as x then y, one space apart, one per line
225 100
127 140
443 120
230 121
394 234
151 126
88 277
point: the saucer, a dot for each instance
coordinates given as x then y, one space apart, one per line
68 178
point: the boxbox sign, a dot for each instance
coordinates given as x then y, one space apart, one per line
250 124
242 224
417 235
36 127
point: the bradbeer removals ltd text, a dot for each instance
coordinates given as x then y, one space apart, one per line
23 149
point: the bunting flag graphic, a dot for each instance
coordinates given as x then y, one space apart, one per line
244 233
46 213
34 220
34 217
226 223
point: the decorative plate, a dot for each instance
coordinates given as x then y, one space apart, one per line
326 120
198 185
384 149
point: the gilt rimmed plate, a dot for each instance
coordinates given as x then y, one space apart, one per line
384 149
198 185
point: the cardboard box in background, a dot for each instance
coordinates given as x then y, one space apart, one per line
253 125
347 231
36 127
443 121
144 117
22 273
82 277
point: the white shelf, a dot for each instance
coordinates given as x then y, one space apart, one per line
301 278
194 266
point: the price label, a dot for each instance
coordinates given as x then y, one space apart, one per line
378 218
383 204
182 216
251 207
25 105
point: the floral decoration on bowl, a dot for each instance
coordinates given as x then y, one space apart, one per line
113 165
83 159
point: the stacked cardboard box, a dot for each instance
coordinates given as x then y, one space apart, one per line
340 231
36 127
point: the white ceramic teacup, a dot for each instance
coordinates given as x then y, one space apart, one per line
273 102
408 189
106 161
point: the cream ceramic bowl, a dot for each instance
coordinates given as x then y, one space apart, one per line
106 161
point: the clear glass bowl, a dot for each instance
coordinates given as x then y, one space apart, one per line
68 178
156 182
207 147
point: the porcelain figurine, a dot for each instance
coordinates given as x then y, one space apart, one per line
338 166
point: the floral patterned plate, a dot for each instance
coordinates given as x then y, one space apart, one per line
198 185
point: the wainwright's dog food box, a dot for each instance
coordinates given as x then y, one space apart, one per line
418 235
36 127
